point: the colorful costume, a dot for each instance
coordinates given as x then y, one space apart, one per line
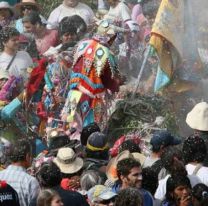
94 74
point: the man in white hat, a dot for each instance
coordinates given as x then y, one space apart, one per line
70 8
197 119
6 14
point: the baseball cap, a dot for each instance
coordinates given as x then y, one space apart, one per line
99 193
164 138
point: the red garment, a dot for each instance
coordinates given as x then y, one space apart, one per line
36 78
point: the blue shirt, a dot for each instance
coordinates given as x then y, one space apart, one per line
147 197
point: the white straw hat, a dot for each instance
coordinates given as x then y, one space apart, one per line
197 118
67 161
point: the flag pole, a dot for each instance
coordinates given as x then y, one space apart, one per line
146 55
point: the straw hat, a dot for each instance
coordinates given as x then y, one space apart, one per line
197 118
27 3
67 161
5 5
111 169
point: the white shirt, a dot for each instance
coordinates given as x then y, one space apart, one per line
62 11
161 189
19 65
202 173
119 13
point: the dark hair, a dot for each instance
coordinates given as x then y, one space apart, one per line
172 183
172 161
33 17
124 166
19 150
87 131
129 145
129 197
49 175
45 197
200 192
194 149
77 22
149 180
101 155
6 34
67 26
58 142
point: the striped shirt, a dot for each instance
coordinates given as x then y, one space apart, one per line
26 186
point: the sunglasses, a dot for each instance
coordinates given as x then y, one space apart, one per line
27 8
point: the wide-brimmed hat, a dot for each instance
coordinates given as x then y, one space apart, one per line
197 118
26 3
5 5
111 169
67 161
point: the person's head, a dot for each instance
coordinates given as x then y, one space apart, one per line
163 139
32 22
26 7
194 149
89 179
97 146
68 162
129 145
21 153
200 195
6 11
172 161
49 175
67 30
49 197
87 131
129 172
100 195
9 39
71 3
178 188
149 180
129 197
79 23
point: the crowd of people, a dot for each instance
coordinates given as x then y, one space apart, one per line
58 77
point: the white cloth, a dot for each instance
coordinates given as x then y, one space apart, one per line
19 65
62 11
161 189
202 173
119 13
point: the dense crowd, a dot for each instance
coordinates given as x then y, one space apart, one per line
58 80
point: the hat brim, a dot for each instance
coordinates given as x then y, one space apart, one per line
107 195
139 157
70 168
19 5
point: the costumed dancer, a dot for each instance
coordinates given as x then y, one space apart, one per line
94 76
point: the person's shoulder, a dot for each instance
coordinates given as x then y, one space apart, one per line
58 8
84 6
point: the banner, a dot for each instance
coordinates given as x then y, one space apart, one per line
166 39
